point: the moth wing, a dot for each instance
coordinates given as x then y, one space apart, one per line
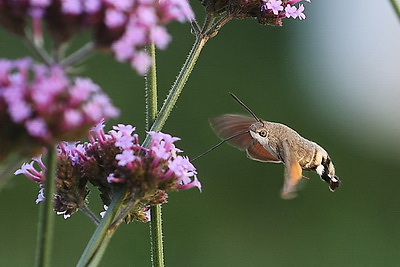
257 152
228 125
293 173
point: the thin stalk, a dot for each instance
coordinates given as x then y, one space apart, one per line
101 237
79 55
396 7
88 212
46 214
177 87
151 89
207 23
212 31
38 50
156 233
202 37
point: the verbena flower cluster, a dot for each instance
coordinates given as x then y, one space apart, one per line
124 26
41 106
269 12
112 159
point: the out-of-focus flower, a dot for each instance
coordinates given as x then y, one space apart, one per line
41 106
117 159
125 27
269 12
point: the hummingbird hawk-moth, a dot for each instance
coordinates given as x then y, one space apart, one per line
275 142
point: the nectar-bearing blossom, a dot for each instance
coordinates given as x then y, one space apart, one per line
114 159
270 12
41 106
124 26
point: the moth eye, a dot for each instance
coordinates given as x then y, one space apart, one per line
262 133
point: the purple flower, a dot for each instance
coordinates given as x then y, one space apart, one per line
32 173
126 130
40 106
37 128
183 169
29 171
72 7
125 142
141 61
160 37
275 6
290 11
112 179
115 18
300 13
19 110
104 212
125 26
116 157
125 157
40 196
273 11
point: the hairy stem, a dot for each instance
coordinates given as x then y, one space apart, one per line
101 237
151 89
46 214
88 212
177 87
156 235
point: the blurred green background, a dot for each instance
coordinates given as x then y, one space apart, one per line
334 78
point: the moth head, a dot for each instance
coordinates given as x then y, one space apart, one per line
259 132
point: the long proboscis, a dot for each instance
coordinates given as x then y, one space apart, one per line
246 107
220 143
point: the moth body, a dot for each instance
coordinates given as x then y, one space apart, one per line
275 142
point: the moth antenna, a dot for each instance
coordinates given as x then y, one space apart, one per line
246 107
220 143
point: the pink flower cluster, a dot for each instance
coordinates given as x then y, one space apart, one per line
160 161
40 105
269 12
113 159
284 9
125 26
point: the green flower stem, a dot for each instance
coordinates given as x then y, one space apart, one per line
156 235
88 212
38 50
101 237
177 87
151 89
157 251
83 53
396 7
46 214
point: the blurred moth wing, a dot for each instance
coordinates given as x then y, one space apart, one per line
228 125
293 174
